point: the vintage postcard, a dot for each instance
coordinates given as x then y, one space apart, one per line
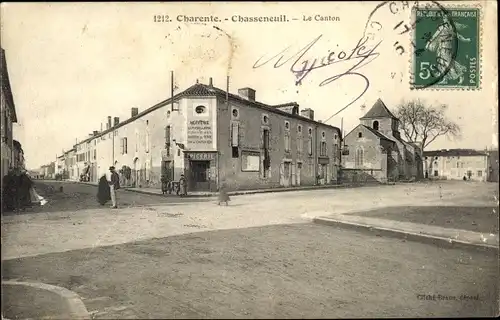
249 160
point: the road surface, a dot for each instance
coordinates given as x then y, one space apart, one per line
257 258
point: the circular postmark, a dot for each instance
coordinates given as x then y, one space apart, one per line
433 38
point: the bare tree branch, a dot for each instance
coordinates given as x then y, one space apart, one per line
425 123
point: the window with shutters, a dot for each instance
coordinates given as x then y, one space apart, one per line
322 149
265 139
287 143
300 145
266 159
124 146
235 132
310 146
147 142
167 139
136 141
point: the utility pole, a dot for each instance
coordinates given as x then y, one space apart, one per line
113 148
172 91
341 147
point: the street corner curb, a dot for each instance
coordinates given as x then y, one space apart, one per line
74 303
400 234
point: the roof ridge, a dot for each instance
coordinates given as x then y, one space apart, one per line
379 110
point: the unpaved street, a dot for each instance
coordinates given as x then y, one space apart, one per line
260 257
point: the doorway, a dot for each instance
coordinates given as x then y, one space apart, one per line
199 179
285 173
136 173
298 174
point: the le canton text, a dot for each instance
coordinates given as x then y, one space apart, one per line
243 19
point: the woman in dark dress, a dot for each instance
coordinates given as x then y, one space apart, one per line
103 193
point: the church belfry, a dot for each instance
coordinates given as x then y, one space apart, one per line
380 118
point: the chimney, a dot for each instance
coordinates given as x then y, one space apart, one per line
247 93
134 112
96 133
210 82
101 126
109 122
307 113
116 121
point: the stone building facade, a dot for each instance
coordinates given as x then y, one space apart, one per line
455 164
376 151
8 117
214 137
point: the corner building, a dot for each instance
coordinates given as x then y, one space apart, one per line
214 138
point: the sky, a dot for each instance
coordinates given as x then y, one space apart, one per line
73 64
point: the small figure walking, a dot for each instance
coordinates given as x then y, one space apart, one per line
182 186
223 196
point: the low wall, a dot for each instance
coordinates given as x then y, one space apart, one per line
361 176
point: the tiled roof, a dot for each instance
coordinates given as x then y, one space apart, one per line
454 153
378 134
379 110
200 89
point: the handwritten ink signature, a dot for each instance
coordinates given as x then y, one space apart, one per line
301 67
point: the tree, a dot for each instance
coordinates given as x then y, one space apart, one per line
425 123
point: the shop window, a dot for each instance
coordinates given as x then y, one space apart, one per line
250 161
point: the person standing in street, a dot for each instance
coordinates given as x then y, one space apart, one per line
182 186
103 193
114 184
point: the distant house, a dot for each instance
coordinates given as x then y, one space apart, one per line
374 149
455 164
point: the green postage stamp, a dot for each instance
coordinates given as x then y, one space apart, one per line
447 51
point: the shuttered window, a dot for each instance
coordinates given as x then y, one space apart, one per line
235 132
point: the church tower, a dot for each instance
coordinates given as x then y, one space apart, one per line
381 119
